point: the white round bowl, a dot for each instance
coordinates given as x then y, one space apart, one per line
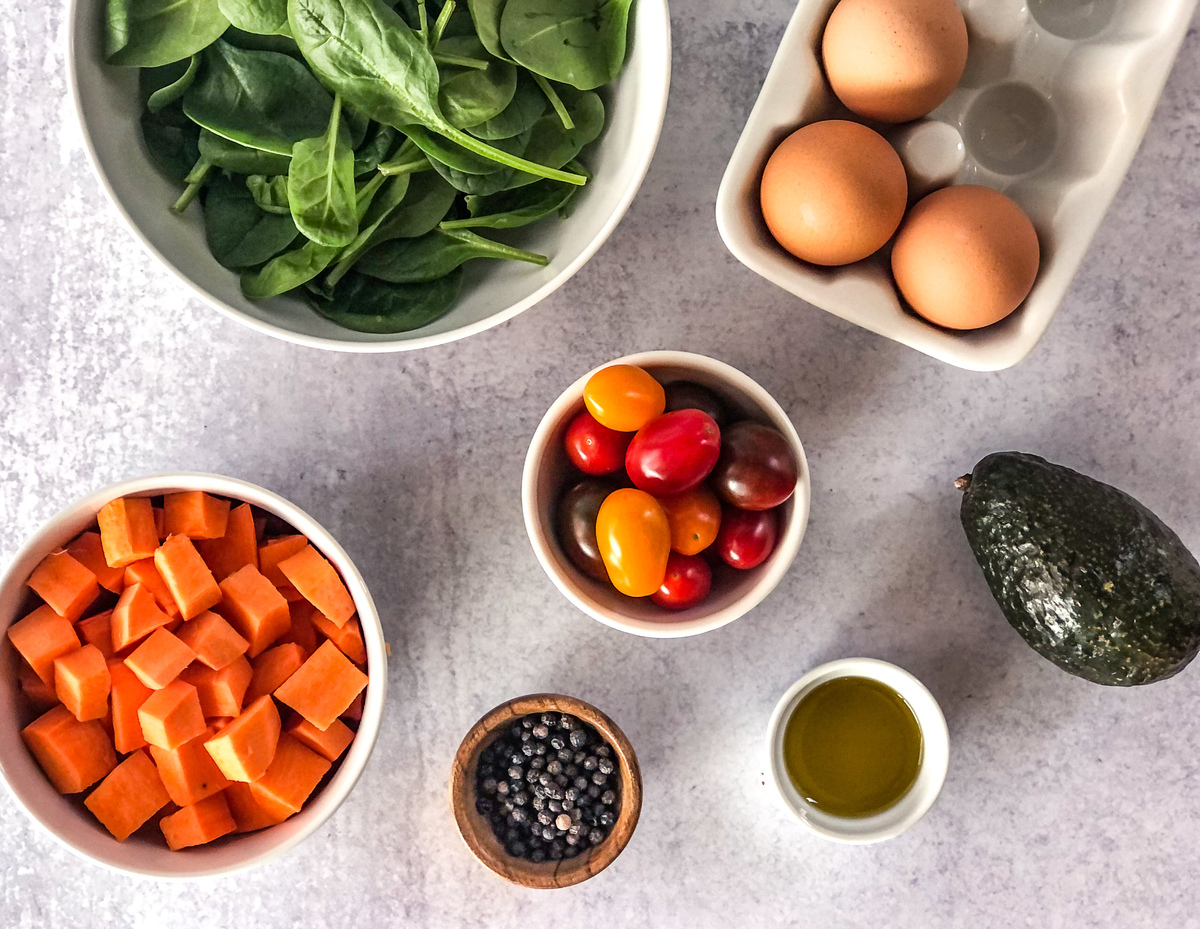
106 102
935 755
547 471
63 818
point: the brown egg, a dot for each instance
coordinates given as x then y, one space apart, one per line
965 257
833 192
894 60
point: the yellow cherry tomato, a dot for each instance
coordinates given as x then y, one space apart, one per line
694 517
635 541
624 397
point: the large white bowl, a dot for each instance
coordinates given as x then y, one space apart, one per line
78 830
735 593
106 102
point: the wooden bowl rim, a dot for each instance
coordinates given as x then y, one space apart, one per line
477 833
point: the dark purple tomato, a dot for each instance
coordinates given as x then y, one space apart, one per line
577 526
673 453
595 449
687 582
688 395
757 469
746 537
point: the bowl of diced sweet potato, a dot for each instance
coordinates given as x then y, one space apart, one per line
192 676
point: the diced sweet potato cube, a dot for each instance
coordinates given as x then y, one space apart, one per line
172 715
217 723
195 514
82 683
128 797
188 771
244 749
255 608
127 531
246 810
128 695
36 691
237 548
41 637
145 572
324 687
347 638
159 659
293 775
215 642
88 550
355 710
328 744
66 585
222 692
319 583
187 576
302 630
272 668
273 551
97 630
74 755
135 616
197 824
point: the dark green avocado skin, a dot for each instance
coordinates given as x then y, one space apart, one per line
1089 577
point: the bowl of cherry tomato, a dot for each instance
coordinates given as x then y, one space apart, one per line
665 494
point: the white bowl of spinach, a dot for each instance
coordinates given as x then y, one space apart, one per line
336 172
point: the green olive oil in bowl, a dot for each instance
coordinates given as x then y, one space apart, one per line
852 747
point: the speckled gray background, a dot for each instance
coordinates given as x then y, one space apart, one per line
1066 805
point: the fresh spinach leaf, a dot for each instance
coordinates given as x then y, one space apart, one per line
239 234
239 159
260 17
390 196
514 208
486 14
552 144
263 100
173 92
468 98
366 304
576 42
270 193
437 148
426 204
288 271
148 33
172 141
320 184
525 108
477 184
250 42
372 153
434 255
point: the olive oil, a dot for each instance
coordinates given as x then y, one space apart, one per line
852 747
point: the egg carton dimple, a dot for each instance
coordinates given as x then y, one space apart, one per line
1052 106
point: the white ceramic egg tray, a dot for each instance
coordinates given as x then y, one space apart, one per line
1053 104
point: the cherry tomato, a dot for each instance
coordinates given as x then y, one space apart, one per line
634 540
757 469
694 517
688 395
595 449
577 526
674 452
687 582
623 397
747 537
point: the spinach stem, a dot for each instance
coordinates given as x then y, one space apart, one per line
411 166
195 180
493 248
460 61
474 145
424 22
555 101
443 19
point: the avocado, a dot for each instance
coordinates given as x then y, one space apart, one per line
1089 577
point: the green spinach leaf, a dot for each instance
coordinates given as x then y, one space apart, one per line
576 42
486 15
375 151
239 159
366 304
260 17
437 148
552 144
173 92
389 197
514 208
171 140
288 271
468 97
148 33
239 234
434 255
320 184
426 204
270 193
527 106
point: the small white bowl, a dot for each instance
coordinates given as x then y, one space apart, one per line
73 826
935 757
106 103
547 470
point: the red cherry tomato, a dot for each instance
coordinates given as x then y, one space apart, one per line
595 449
746 537
687 582
673 453
758 469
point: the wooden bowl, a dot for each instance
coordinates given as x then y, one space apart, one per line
477 831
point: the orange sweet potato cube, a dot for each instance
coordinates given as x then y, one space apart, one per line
237 548
215 642
244 749
36 691
128 695
246 811
74 755
255 608
82 683
127 531
328 744
97 630
272 668
222 692
135 616
172 715
319 584
197 824
355 710
347 638
187 576
41 637
145 572
273 551
159 659
324 687
302 631
130 795
88 550
67 586
195 514
293 775
188 771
